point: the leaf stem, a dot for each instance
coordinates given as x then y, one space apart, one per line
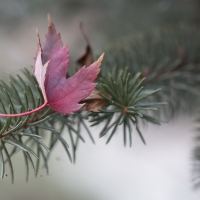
25 113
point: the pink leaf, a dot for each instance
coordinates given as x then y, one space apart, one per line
62 95
40 72
52 42
51 66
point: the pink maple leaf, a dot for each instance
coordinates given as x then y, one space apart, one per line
51 66
61 94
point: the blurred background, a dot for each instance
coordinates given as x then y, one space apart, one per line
161 170
104 21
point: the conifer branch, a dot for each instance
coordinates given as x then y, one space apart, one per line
167 57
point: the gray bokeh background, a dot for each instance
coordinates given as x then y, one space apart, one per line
160 170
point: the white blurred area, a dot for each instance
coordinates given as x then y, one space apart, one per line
160 170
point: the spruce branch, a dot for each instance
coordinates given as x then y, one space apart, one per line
127 104
167 57
125 100
47 100
14 130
